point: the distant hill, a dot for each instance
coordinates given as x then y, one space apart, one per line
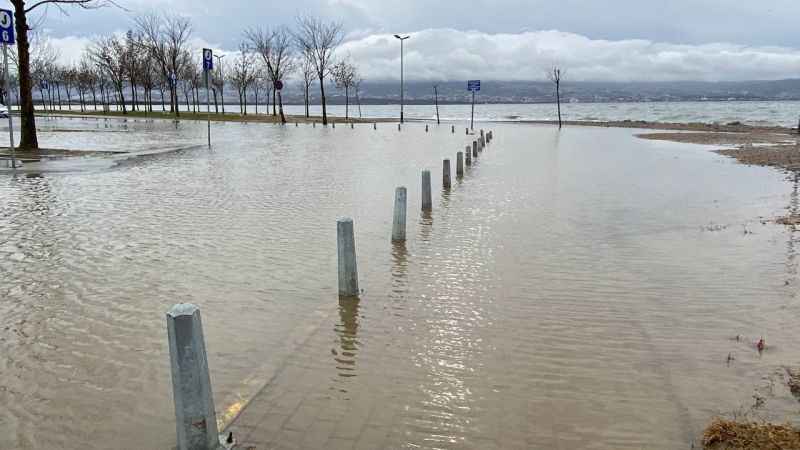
579 91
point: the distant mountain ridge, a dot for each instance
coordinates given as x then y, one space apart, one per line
417 92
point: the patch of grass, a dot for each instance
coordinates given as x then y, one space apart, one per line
722 434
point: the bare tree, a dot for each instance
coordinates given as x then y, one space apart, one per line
69 76
242 74
309 74
149 75
218 82
109 54
28 138
42 57
166 39
344 74
319 39
554 75
276 51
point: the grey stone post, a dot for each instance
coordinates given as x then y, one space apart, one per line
346 246
195 419
460 164
399 221
351 125
474 149
446 174
427 203
468 154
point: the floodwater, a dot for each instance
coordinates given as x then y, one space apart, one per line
576 289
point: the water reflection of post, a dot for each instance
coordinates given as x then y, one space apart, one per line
425 226
347 332
399 269
794 211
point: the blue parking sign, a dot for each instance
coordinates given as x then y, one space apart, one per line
6 27
208 59
474 85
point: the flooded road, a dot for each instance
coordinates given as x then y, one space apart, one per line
576 289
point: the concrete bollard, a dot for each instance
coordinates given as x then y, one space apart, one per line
453 129
460 164
374 126
474 149
346 248
427 203
399 221
467 133
195 419
468 154
426 128
446 174
333 124
313 124
295 125
481 133
398 127
351 125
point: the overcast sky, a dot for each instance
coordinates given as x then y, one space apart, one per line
605 40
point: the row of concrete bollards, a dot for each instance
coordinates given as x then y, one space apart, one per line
195 416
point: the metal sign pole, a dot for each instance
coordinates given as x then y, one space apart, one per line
472 116
208 111
8 107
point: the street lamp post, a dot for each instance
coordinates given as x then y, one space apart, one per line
402 87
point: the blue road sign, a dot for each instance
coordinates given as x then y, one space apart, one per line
474 85
6 27
208 59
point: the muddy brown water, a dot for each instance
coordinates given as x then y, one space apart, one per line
576 289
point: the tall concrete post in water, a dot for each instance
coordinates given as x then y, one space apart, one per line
468 155
460 164
474 149
446 174
427 203
195 419
399 220
346 245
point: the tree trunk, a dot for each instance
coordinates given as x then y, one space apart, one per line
322 93
280 107
216 107
122 99
58 93
346 103
307 101
274 93
257 101
558 102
